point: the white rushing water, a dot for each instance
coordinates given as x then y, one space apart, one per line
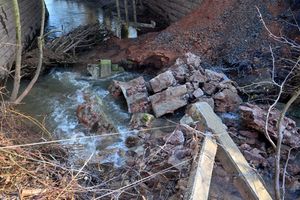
57 96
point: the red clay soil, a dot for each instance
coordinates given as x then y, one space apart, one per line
220 31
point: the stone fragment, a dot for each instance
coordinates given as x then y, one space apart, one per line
210 87
139 120
254 156
180 72
176 138
162 81
197 77
131 141
227 101
189 87
249 134
198 93
187 120
227 84
105 68
169 100
193 59
214 76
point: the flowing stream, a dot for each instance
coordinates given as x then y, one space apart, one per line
56 97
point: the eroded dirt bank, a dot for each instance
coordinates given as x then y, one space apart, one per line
227 34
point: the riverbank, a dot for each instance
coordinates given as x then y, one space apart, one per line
117 153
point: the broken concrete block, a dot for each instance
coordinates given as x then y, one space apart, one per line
105 68
162 81
136 95
227 101
169 100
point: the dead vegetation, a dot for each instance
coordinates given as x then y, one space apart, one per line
62 50
38 172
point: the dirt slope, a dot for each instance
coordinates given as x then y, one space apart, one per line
220 31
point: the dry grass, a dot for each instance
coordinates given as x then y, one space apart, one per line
38 172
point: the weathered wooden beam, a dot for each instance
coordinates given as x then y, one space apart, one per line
247 180
200 190
126 11
118 9
142 25
134 11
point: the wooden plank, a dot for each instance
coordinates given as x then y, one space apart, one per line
246 180
204 169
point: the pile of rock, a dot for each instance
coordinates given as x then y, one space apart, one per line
186 81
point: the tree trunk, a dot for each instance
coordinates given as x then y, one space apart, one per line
17 77
277 186
40 63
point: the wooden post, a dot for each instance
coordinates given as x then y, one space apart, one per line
134 11
126 11
118 9
204 169
247 181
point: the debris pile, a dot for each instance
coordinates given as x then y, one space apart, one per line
185 82
160 169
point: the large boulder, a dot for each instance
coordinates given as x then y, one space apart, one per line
169 100
162 81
